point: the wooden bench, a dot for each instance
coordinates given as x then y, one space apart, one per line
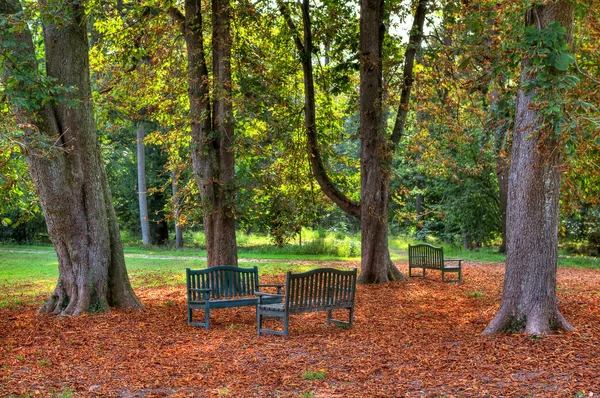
431 257
322 289
223 287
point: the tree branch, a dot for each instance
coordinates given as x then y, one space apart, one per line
314 154
414 44
290 23
177 17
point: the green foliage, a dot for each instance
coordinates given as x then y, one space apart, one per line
546 52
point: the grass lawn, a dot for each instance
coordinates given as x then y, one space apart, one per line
27 272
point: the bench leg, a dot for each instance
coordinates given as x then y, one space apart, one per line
205 324
330 320
258 323
260 330
455 280
415 276
207 317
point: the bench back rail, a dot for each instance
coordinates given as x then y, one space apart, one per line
224 282
320 289
427 256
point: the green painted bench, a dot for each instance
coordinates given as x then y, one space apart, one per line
223 287
430 257
321 289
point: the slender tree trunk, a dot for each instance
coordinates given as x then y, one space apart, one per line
305 49
502 170
142 189
212 154
71 180
177 211
529 295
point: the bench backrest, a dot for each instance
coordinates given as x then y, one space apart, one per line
425 255
319 289
226 281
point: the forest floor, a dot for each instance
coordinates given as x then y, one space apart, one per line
420 338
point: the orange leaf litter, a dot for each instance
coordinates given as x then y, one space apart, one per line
416 338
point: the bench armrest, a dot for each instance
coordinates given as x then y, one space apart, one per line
205 292
279 286
453 260
263 294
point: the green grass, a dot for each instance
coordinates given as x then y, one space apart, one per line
29 273
314 375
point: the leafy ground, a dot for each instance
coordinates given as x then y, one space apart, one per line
416 338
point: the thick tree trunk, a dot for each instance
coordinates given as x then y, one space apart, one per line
212 154
177 211
376 266
529 295
222 207
71 180
142 189
375 153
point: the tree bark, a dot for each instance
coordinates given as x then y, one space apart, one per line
142 189
529 294
70 179
222 215
212 154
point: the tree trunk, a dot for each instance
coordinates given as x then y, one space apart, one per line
222 214
142 189
177 211
212 154
71 180
529 295
376 147
375 155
